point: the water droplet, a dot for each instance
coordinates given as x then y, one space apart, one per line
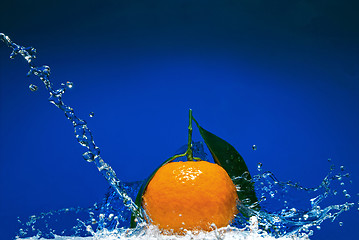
92 114
93 221
342 183
271 194
340 223
347 195
254 147
305 216
33 87
110 217
318 227
276 219
342 168
88 156
293 210
259 166
89 228
69 84
329 159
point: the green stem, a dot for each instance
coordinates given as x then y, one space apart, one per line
189 146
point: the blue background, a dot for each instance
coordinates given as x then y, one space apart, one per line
283 75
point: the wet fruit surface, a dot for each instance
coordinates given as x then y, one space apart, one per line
190 195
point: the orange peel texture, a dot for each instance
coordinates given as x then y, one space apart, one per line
190 196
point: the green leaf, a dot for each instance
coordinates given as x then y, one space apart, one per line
140 193
227 157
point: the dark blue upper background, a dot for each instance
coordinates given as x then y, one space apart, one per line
283 75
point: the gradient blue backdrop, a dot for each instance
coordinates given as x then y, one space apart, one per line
283 75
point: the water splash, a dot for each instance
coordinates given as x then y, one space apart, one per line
82 132
288 210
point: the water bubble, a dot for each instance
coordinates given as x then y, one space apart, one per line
318 227
305 216
254 147
340 223
92 114
329 159
259 166
69 84
347 195
342 183
33 87
342 168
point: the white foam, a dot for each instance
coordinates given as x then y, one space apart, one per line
150 232
230 235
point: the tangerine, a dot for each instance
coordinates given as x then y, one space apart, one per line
190 195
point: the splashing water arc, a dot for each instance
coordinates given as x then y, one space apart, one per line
288 210
82 132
